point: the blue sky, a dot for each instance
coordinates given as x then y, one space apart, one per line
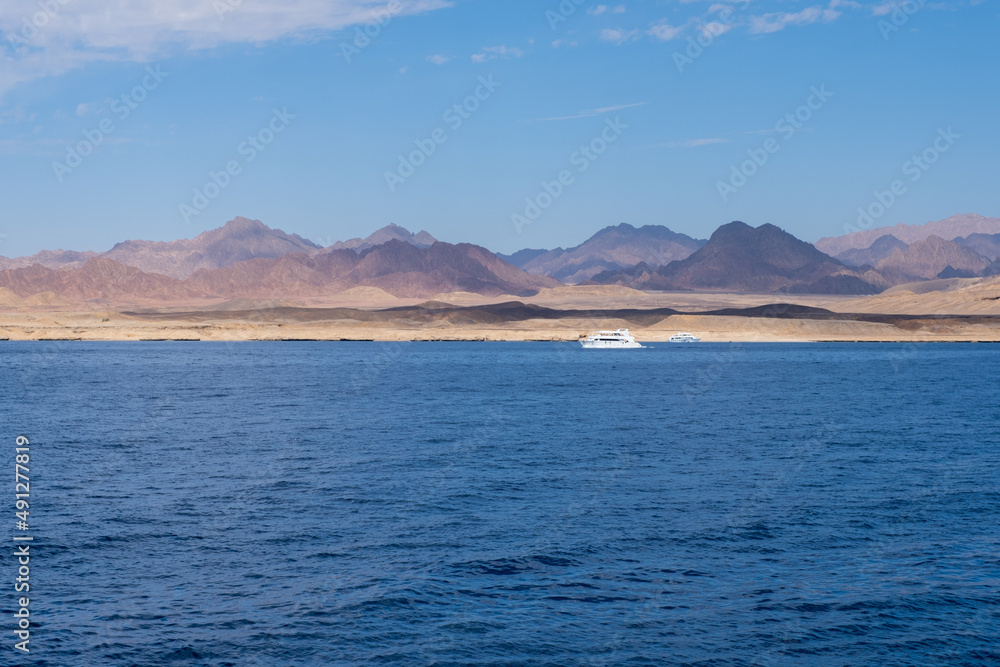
304 125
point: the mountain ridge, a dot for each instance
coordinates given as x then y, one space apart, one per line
612 248
742 258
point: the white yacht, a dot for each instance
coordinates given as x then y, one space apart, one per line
684 338
620 338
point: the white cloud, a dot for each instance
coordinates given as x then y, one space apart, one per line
776 21
597 10
665 32
619 36
75 33
438 59
494 52
715 29
594 112
81 110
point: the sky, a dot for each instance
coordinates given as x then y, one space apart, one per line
506 123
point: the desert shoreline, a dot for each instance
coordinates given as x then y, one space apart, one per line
726 330
562 314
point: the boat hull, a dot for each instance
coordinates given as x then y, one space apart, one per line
604 345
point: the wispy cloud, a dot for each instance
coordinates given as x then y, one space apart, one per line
773 22
597 10
494 52
619 35
695 143
86 31
438 59
665 32
594 112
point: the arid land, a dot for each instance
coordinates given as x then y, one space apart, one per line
957 310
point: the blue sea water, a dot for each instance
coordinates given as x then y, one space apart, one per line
506 504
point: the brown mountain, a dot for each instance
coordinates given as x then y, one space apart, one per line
239 240
740 258
99 279
611 249
388 233
948 229
399 268
935 258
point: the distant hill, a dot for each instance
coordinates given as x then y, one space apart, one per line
879 250
741 258
948 229
935 258
613 248
521 257
987 245
52 259
388 233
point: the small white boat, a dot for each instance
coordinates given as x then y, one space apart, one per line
619 338
684 338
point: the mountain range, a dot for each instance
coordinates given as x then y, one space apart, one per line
388 233
247 259
927 259
741 258
948 229
241 239
611 249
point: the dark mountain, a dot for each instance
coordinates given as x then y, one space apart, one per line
521 257
987 245
740 258
882 248
611 249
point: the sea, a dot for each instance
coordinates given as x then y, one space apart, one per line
432 503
